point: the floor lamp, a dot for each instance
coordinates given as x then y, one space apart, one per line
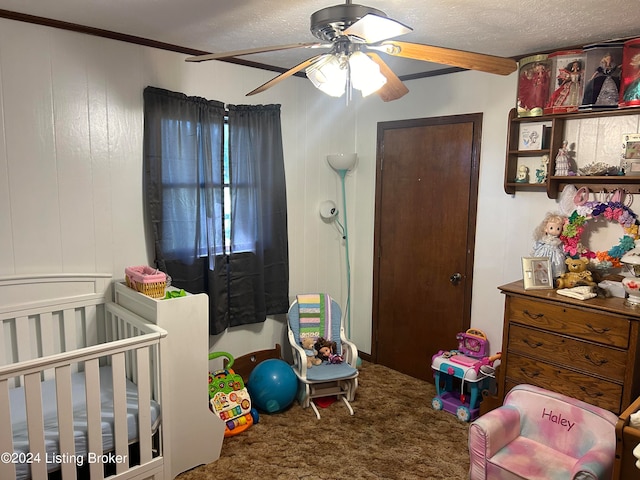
342 163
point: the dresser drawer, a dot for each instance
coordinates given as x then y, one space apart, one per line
595 326
592 390
606 362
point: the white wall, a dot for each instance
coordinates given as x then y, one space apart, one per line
71 124
71 168
504 223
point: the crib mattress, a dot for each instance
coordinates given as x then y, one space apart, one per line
19 418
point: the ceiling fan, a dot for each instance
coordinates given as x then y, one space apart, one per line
354 34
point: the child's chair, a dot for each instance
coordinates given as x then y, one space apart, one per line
318 315
541 435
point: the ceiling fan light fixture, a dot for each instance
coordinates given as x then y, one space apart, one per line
328 74
365 74
350 28
374 28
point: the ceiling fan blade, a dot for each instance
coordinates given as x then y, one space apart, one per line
282 76
394 88
249 51
374 28
448 56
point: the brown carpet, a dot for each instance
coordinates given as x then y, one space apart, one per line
393 434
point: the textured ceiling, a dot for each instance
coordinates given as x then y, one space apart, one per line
511 28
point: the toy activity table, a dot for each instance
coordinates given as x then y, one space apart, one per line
449 365
474 370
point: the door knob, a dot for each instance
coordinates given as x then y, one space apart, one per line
455 278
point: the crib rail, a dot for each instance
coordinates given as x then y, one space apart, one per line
113 337
30 292
43 332
121 329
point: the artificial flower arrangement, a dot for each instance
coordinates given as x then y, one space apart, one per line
612 211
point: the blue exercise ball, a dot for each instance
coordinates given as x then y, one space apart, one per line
272 385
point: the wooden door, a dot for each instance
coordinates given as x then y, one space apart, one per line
426 196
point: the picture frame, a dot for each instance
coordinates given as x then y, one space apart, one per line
537 273
531 137
630 157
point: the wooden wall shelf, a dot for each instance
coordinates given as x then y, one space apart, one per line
553 141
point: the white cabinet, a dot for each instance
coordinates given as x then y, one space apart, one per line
195 434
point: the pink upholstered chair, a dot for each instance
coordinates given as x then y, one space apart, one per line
538 434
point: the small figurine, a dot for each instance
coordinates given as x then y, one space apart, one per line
562 161
523 174
577 275
327 351
548 244
541 173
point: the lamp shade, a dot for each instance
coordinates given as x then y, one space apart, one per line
342 161
334 72
329 75
365 74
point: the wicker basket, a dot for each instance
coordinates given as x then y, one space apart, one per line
146 280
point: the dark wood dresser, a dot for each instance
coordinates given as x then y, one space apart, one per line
627 438
586 349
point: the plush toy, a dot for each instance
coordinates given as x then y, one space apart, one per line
577 275
327 351
308 344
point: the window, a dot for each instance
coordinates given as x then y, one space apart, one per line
216 203
226 189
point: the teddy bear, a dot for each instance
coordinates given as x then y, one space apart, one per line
577 275
308 344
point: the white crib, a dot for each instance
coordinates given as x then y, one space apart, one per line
81 391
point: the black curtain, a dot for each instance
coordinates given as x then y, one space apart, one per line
246 273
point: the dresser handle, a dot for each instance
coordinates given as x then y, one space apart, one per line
535 316
597 330
529 374
597 363
598 394
532 344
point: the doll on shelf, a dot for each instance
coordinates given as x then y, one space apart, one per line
632 91
603 88
562 161
569 91
548 244
533 89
